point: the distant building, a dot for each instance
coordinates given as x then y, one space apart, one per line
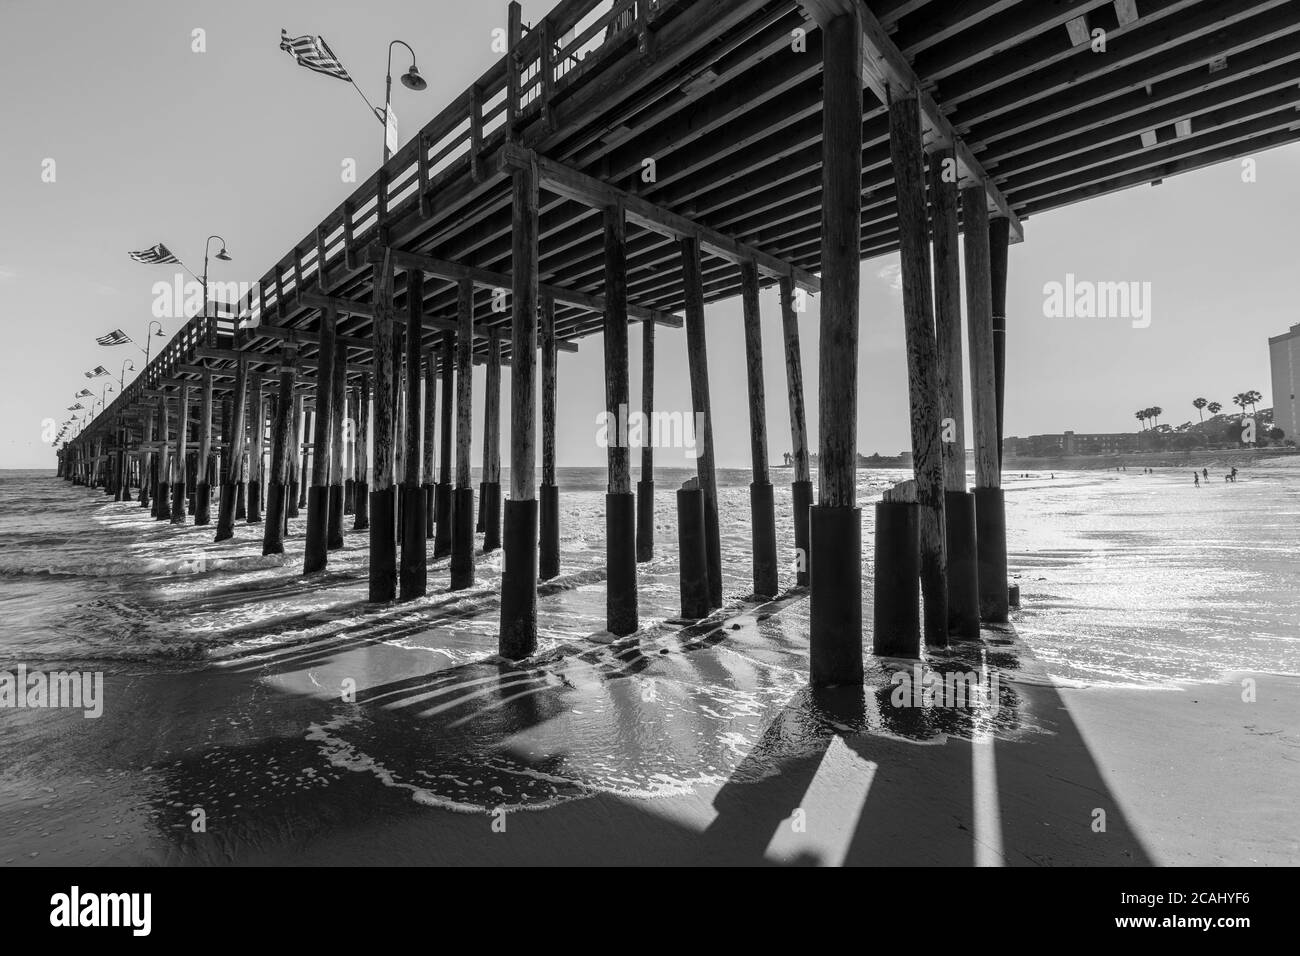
1070 443
1284 359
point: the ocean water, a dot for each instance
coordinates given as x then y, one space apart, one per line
1125 578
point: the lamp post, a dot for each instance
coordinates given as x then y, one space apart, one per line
222 255
411 79
121 379
148 336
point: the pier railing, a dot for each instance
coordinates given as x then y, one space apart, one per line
542 62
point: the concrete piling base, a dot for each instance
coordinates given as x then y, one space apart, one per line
548 548
693 569
896 631
620 562
462 539
991 546
518 634
963 568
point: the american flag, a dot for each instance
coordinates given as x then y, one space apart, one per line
84 393
116 337
313 53
76 408
97 371
155 255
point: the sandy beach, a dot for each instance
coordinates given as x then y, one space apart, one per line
297 724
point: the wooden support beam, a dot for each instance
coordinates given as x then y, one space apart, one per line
620 506
446 437
338 402
489 279
257 438
316 547
232 489
361 492
462 510
890 76
490 505
203 492
959 506
572 184
801 495
835 526
548 552
990 520
179 497
922 370
413 569
277 489
762 503
517 637
383 543
645 487
698 362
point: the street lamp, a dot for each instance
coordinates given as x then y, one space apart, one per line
222 255
411 79
121 379
148 335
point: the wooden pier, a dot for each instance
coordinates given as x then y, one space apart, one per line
634 162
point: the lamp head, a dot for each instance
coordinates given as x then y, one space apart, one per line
412 79
223 255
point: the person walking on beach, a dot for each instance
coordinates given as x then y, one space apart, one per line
1196 479
1205 473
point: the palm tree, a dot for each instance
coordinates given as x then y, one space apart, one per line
1198 404
1215 408
1142 417
1156 411
1240 400
1253 397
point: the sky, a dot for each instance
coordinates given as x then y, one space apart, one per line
152 141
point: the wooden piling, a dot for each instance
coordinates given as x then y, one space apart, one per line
361 495
235 453
278 488
645 486
293 481
383 547
620 505
257 438
801 496
146 458
835 632
338 393
548 548
462 504
762 502
922 368
442 496
430 486
316 546
490 503
698 362
999 240
178 459
517 637
162 510
203 491
959 506
413 572
989 514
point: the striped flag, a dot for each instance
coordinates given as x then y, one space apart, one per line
96 372
116 337
84 393
313 53
76 408
155 255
